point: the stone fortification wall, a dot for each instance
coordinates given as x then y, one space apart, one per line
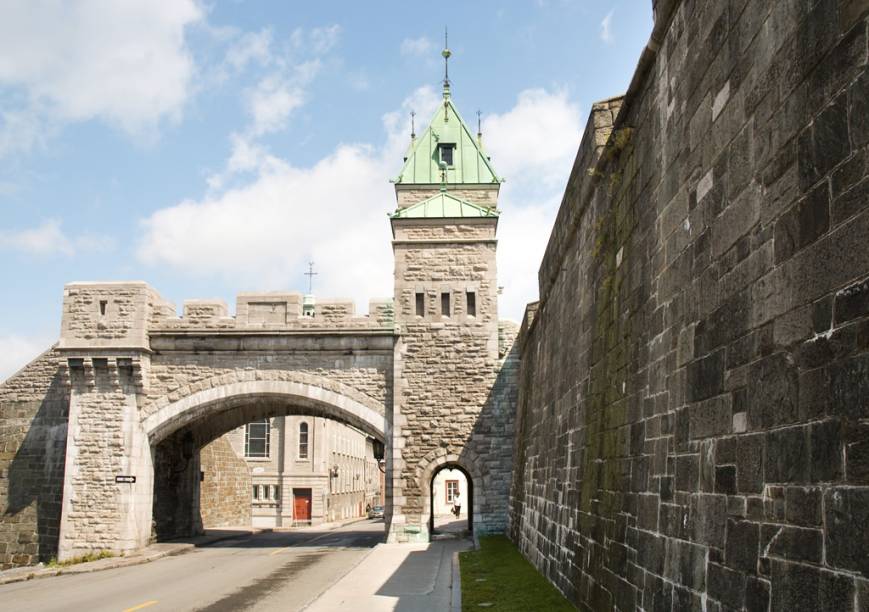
225 491
693 418
34 405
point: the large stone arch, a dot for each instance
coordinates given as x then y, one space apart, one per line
469 462
177 428
126 506
365 414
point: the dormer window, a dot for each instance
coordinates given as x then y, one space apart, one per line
446 150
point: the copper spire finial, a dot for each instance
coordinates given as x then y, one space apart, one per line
446 53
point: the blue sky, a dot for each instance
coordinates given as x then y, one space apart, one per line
212 148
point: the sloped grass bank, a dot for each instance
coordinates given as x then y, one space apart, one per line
497 577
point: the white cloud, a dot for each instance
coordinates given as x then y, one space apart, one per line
264 232
324 39
49 239
533 146
536 140
251 47
606 34
22 130
416 46
317 41
125 63
45 239
17 351
271 102
259 235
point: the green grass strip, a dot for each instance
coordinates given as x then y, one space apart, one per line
497 577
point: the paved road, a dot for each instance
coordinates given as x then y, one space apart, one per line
271 571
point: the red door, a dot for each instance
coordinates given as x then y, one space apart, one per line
302 504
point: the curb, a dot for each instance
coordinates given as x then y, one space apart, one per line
456 586
117 562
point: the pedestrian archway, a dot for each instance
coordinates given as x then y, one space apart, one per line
451 502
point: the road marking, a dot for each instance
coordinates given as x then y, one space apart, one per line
141 605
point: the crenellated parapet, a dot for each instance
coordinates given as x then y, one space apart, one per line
122 316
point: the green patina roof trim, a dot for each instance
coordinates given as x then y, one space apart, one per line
444 206
470 163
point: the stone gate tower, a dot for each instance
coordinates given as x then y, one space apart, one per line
453 401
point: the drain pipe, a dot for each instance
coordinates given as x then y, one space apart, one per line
282 436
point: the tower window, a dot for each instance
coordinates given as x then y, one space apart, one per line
303 441
445 304
420 304
256 439
471 298
446 152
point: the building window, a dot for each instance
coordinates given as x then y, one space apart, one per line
276 492
452 490
445 304
256 492
446 151
420 304
265 491
471 299
303 441
256 439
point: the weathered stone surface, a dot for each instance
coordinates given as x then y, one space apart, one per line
750 331
226 484
847 544
34 407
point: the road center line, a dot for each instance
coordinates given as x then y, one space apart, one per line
141 605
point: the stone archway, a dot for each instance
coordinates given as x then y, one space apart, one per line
469 463
125 495
178 430
212 401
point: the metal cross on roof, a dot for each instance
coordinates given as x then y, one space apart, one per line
311 274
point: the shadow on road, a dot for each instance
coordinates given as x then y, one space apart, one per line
365 536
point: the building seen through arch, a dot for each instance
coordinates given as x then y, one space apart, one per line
451 502
289 471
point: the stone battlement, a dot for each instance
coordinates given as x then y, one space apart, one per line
123 315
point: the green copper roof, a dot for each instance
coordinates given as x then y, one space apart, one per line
443 206
470 164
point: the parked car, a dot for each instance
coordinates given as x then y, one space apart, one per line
375 512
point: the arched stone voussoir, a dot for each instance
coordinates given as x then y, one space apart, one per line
202 404
467 459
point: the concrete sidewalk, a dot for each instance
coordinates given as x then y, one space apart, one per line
402 577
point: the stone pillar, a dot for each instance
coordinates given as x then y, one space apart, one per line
108 481
394 448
